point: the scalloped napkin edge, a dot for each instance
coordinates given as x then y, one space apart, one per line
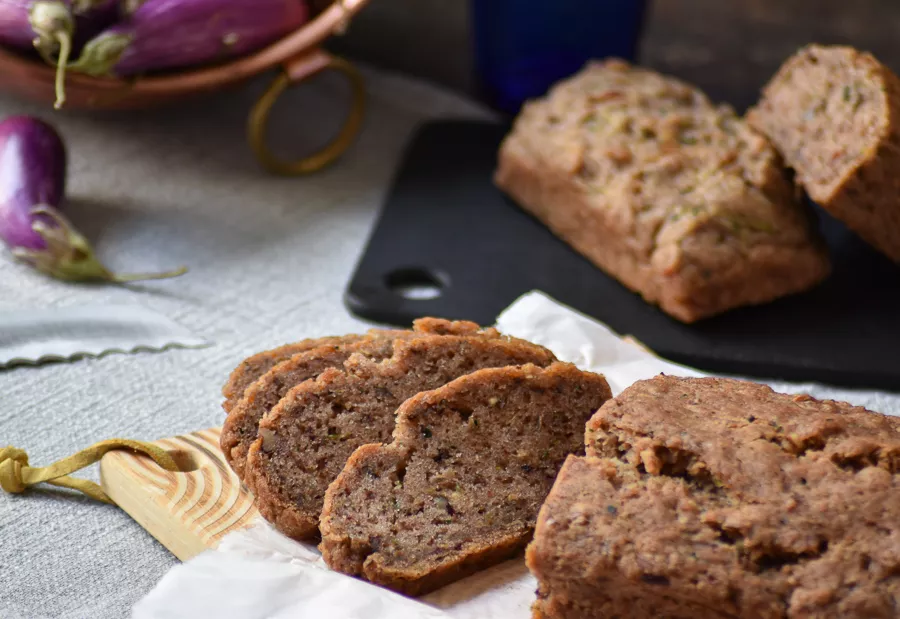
34 336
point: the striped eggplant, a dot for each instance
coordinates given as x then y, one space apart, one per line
172 34
32 187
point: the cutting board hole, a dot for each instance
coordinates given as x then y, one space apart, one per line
185 460
417 284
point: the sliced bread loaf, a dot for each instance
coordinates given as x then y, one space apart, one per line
675 197
241 425
460 486
251 368
307 437
834 114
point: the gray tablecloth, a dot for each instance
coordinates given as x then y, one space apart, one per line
269 258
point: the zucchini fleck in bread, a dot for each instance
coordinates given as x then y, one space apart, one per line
714 498
256 365
306 439
240 429
460 486
676 198
834 114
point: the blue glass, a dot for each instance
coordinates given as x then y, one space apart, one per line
524 46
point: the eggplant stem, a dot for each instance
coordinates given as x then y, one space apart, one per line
65 48
140 277
69 256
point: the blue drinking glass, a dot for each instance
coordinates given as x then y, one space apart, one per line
524 46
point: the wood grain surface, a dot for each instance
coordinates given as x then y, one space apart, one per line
187 512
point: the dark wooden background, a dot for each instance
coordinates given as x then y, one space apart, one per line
731 47
728 47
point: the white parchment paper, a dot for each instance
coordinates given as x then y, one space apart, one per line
258 573
63 333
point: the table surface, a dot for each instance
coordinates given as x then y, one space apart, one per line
269 259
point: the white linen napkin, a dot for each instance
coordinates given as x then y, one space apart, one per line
258 573
64 333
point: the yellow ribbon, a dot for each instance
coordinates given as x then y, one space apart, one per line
16 475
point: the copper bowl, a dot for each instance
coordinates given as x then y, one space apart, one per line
299 55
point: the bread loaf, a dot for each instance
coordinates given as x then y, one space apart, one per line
834 114
676 198
715 498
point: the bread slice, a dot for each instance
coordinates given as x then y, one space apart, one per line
834 114
673 196
718 498
306 439
251 368
241 425
460 486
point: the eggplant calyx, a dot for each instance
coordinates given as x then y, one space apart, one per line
100 55
70 257
80 7
130 6
54 25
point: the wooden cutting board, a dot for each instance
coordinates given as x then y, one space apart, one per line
187 512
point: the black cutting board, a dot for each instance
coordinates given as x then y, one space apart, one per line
445 226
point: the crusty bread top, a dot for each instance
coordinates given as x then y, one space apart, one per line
253 367
661 161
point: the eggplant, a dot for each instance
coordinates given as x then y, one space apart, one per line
50 27
93 17
172 34
15 24
60 27
29 24
32 187
45 25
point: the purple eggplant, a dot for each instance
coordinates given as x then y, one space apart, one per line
63 26
53 27
93 17
171 34
15 24
29 24
44 25
32 186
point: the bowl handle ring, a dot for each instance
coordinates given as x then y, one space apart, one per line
293 72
